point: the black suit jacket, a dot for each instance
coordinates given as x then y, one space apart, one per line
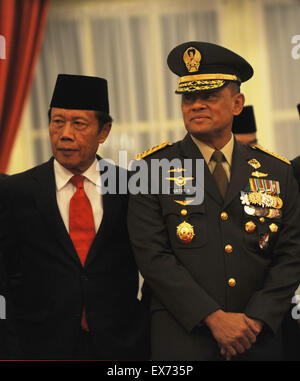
190 280
48 287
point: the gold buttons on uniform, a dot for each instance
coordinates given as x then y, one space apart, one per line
228 249
273 228
231 282
250 226
183 212
224 216
262 220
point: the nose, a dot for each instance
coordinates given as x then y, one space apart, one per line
67 132
199 104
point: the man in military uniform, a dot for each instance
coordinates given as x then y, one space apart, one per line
244 126
221 272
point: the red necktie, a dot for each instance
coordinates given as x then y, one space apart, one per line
81 225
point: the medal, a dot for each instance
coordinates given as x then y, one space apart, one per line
264 241
250 210
185 232
279 202
255 198
274 213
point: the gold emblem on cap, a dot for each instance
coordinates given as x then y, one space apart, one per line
250 226
254 163
273 228
185 232
192 58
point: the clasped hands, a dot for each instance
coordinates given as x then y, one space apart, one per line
234 332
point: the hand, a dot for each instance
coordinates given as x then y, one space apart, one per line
255 325
233 332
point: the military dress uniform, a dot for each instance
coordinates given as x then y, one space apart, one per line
240 253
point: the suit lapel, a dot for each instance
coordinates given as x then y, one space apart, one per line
190 150
240 172
45 195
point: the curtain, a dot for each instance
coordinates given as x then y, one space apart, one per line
128 46
22 24
282 23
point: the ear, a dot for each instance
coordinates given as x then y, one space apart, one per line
238 103
104 133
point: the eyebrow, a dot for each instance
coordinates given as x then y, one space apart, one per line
81 117
74 118
55 115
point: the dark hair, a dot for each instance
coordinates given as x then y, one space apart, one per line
235 87
102 117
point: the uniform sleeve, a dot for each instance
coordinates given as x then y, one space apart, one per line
168 279
270 303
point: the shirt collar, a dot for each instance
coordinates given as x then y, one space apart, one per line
207 151
63 175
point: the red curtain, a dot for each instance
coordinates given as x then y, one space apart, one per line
22 24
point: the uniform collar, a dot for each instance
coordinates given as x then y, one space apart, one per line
207 151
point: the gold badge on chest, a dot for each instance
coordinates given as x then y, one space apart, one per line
185 232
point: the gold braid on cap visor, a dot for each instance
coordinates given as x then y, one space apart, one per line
199 82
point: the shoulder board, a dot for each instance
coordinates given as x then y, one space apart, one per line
271 153
152 150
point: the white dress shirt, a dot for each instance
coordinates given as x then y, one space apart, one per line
65 191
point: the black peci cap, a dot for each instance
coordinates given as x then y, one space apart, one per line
244 123
79 92
298 107
204 66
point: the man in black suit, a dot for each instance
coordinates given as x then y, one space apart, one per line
71 277
222 268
